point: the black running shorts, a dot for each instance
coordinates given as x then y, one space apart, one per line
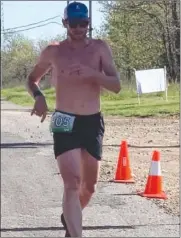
87 133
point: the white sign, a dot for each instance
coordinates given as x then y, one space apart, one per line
149 81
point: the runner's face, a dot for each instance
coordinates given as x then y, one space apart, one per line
77 29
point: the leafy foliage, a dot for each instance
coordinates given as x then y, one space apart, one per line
144 34
19 55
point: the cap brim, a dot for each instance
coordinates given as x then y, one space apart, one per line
77 16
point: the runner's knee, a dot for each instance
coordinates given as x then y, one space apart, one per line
90 187
71 182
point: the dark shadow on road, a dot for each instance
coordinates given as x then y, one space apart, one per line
61 228
24 145
32 145
84 228
124 194
145 146
154 146
20 147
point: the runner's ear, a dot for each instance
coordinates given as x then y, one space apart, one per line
64 23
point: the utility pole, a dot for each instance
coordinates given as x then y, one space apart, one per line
2 16
90 17
2 30
2 24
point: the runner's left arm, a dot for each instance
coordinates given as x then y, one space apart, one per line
110 80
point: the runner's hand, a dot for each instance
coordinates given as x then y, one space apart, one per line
40 107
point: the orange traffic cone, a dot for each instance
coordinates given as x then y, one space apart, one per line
123 171
154 182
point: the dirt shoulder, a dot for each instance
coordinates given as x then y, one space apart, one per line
156 133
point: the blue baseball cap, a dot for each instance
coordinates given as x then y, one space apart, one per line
76 10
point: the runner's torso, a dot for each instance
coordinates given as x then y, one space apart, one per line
74 96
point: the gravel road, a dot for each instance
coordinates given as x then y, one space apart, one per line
31 190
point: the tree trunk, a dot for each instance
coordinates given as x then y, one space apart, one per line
176 40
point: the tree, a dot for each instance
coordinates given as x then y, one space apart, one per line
18 56
144 34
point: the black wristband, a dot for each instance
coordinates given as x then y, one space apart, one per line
37 93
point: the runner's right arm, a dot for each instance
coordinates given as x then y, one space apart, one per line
40 69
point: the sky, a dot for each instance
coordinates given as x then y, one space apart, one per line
18 13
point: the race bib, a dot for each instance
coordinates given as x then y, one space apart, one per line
61 122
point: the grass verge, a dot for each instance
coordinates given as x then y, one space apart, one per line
123 104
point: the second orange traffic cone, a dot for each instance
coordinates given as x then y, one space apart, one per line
153 187
123 171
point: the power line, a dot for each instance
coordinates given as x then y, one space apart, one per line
35 23
12 32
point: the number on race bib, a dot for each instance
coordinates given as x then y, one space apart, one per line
62 123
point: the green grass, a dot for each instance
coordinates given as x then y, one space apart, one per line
124 104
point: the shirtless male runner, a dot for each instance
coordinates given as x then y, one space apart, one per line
81 67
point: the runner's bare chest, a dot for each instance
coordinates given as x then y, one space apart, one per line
87 55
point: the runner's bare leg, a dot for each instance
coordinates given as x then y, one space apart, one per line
69 164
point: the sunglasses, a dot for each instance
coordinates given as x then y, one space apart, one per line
76 23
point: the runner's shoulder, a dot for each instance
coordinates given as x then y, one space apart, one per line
53 45
52 48
101 44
